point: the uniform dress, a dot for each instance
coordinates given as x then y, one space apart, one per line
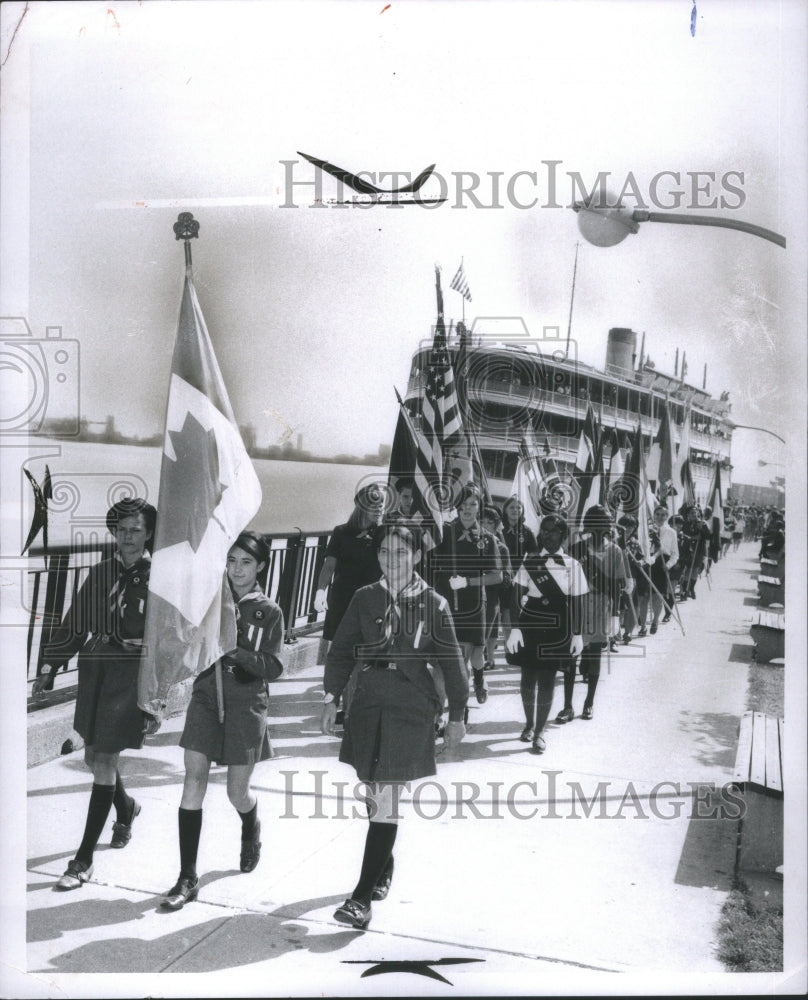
606 574
547 616
390 734
356 566
246 672
105 627
467 552
498 595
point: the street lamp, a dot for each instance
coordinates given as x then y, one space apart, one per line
606 226
747 427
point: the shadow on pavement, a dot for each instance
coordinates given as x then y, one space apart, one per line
227 942
708 853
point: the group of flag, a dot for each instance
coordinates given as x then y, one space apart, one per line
209 491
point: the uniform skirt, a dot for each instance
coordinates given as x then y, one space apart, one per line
107 716
243 737
390 731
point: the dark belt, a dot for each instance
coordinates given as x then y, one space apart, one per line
380 664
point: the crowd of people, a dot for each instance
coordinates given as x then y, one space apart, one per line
410 629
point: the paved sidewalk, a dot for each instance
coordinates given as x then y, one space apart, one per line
498 868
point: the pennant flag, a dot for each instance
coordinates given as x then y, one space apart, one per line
411 445
660 460
588 465
209 493
460 283
39 520
637 496
681 470
715 500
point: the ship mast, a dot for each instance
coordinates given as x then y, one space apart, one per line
572 300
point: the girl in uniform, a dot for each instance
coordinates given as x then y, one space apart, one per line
465 563
607 577
105 626
546 611
391 631
241 739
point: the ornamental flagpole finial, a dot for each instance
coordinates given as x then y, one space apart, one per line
186 228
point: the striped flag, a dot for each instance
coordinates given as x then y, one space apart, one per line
460 283
588 471
681 469
715 500
413 454
209 493
440 410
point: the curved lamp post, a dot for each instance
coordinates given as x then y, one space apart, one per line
747 427
607 226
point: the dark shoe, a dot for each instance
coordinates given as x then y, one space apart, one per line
587 712
539 746
565 715
354 913
643 632
382 887
654 627
122 832
526 736
185 891
481 693
251 850
488 665
666 618
613 646
626 638
76 875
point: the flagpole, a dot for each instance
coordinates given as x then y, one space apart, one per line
186 228
572 299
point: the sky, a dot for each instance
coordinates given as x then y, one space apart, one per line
315 312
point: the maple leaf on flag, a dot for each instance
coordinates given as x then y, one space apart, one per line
194 499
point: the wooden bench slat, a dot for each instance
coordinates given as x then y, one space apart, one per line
744 754
774 770
757 764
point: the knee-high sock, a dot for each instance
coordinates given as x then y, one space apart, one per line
591 659
97 812
569 687
544 702
378 848
249 823
527 689
190 824
123 802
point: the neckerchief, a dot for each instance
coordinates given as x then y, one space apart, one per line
392 614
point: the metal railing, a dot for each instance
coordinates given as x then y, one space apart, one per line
294 565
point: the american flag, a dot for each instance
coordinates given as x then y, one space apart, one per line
460 283
440 423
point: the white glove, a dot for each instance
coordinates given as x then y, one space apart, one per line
320 603
576 646
629 584
514 641
453 734
458 582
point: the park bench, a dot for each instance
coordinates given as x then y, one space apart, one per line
768 631
758 775
771 591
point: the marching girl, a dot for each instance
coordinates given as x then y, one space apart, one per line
390 632
546 612
105 627
239 739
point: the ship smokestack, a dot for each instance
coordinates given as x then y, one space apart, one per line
621 352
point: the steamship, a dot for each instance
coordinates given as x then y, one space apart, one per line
510 378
